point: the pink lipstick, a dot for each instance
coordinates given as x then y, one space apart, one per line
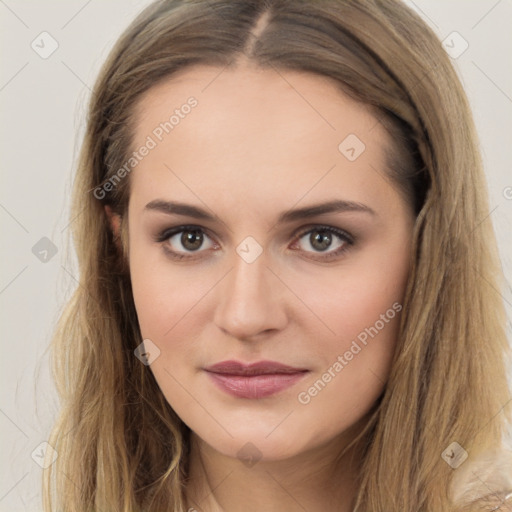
256 380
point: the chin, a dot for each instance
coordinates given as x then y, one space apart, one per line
256 444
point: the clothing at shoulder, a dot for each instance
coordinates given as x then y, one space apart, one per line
485 483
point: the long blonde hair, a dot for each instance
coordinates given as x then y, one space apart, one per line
121 446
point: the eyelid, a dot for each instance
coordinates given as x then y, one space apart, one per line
304 230
167 233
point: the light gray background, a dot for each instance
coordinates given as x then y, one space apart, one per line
43 103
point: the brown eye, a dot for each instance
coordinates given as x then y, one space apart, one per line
320 240
192 240
324 239
182 241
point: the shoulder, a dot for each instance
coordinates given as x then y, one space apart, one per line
485 483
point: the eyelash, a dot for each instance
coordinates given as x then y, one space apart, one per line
345 237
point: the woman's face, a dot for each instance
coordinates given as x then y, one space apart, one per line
263 228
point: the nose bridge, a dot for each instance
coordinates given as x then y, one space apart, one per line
250 298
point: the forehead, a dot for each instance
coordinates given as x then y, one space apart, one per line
255 128
265 95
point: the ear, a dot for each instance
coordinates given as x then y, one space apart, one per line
114 220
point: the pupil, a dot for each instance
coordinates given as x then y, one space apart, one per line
324 241
191 240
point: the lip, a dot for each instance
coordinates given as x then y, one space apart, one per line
255 380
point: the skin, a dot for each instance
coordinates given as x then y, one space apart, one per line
260 143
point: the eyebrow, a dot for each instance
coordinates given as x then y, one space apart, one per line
188 210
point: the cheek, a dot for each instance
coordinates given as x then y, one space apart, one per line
355 301
363 321
355 361
362 312
164 297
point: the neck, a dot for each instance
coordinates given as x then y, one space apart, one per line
316 480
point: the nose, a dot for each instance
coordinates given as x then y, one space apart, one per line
250 300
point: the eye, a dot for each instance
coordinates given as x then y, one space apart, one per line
182 241
325 241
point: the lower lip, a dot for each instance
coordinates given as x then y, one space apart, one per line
255 386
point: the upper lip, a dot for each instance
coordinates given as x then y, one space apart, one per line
258 368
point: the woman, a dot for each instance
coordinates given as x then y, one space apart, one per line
288 274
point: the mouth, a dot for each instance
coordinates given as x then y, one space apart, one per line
253 381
